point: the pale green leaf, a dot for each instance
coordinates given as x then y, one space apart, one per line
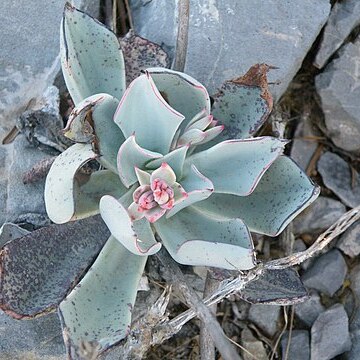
71 195
197 188
236 166
282 193
183 93
91 58
98 309
130 157
194 238
145 113
175 159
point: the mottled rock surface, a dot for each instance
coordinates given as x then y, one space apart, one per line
327 273
319 215
227 37
339 90
330 334
337 176
344 17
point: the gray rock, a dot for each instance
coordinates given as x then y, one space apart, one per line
337 176
349 242
23 203
29 61
339 90
302 150
327 273
318 216
344 17
352 299
299 346
39 339
252 345
217 53
299 246
309 310
330 334
353 354
24 198
265 317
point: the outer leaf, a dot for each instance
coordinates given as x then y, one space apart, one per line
140 54
91 58
194 238
282 193
137 237
59 186
197 188
98 310
236 166
183 93
132 156
242 105
92 122
39 269
70 195
144 112
174 158
278 287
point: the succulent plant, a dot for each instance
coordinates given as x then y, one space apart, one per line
171 167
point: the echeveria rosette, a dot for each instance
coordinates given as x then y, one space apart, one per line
165 173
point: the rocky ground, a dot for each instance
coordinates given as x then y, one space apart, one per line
316 47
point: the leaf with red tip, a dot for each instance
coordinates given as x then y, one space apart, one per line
182 92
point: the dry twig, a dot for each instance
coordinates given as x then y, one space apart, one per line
225 348
182 35
207 348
